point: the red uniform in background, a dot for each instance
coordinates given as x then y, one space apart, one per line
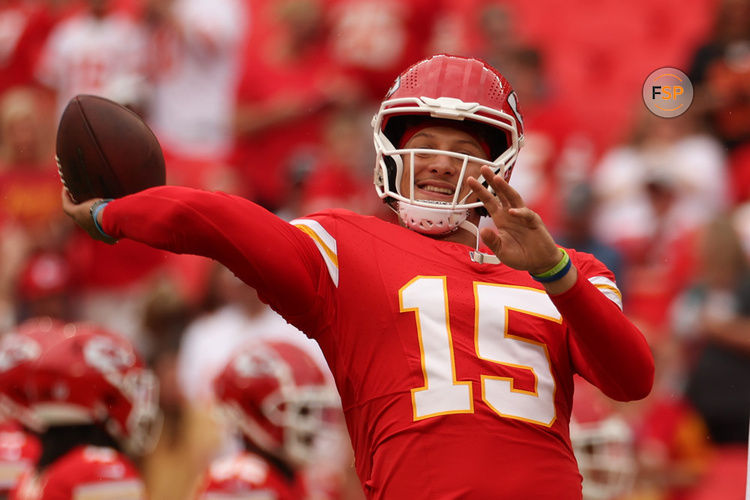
19 452
86 392
86 472
246 473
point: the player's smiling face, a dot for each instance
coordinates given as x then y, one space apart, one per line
436 175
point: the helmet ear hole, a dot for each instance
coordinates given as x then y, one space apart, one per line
392 169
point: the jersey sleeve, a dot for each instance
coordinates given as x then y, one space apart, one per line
607 349
273 256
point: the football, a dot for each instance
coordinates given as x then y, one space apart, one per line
105 150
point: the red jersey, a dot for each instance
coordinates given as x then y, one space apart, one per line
19 451
247 475
456 377
84 473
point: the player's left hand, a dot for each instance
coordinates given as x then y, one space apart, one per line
521 241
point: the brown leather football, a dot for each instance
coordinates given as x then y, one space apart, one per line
105 150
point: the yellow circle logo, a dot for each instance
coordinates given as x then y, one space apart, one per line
667 92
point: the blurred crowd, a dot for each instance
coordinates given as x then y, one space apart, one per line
271 100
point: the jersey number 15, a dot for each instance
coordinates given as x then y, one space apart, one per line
427 297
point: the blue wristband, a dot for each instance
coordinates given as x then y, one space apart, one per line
95 209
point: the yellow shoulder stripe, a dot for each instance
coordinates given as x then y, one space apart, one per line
324 241
608 288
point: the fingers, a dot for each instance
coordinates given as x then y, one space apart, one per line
67 203
506 194
525 214
482 192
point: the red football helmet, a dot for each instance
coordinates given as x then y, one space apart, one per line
457 90
95 376
19 350
278 397
603 444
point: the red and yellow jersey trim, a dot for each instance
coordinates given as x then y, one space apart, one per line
324 241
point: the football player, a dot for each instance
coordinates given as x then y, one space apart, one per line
453 349
281 401
93 400
19 446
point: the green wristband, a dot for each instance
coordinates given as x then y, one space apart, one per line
564 261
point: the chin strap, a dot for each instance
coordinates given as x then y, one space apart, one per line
431 221
476 255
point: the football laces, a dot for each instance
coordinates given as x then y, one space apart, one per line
62 178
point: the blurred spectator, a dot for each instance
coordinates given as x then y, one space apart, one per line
556 151
654 192
712 319
337 178
375 39
196 49
666 152
720 72
24 27
576 231
544 128
99 50
29 185
500 40
669 435
30 218
279 116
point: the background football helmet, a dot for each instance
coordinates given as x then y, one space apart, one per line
19 350
94 376
451 88
603 445
278 397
